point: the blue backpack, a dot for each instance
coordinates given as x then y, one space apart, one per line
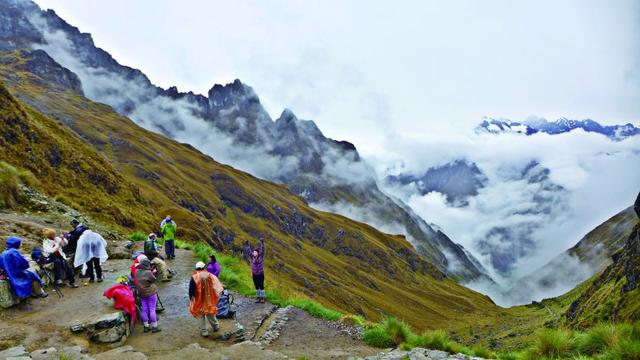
224 305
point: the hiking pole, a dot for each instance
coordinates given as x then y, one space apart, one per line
55 287
161 309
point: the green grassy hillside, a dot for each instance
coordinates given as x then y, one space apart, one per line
340 263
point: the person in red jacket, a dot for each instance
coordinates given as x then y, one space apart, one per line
122 296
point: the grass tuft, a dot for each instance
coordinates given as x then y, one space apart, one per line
138 236
554 343
377 337
596 339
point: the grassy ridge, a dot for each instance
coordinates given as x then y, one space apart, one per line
337 262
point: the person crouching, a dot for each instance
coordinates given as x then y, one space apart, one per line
204 289
148 293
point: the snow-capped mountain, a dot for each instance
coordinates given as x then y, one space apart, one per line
563 125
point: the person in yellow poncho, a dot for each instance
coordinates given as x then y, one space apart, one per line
204 292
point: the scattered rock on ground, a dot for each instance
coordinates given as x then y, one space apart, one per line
109 329
124 352
45 354
14 352
419 354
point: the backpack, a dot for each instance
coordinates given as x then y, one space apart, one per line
37 256
150 250
224 305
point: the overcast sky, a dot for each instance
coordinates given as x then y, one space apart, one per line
368 71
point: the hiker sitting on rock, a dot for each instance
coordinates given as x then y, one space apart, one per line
91 252
256 258
151 252
204 292
169 228
52 249
213 266
148 293
22 280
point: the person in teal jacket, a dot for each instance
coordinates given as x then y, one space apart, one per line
168 228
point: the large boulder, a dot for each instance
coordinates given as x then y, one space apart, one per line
109 329
7 299
119 249
17 351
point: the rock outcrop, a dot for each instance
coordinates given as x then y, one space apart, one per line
109 329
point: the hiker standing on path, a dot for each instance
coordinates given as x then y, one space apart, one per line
204 292
52 249
16 267
213 266
91 252
169 228
148 293
72 241
256 258
152 253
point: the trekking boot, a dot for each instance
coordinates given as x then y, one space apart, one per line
146 329
216 327
100 279
59 282
155 329
204 333
92 280
72 285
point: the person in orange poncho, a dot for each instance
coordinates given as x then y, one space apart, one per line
204 292
122 296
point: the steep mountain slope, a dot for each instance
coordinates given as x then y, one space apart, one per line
231 125
588 257
560 126
336 261
614 294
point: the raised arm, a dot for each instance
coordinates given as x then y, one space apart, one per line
262 248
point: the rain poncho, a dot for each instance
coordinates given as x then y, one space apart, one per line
90 245
122 299
16 267
204 299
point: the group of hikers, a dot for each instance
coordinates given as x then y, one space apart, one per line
79 249
84 251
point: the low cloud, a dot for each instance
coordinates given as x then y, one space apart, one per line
590 178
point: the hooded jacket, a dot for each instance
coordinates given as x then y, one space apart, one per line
122 299
16 267
145 281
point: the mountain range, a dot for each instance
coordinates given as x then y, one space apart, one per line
563 125
230 124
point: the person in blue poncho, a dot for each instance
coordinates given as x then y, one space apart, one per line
16 267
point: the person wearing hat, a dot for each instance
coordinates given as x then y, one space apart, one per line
21 279
52 249
151 251
168 228
148 293
204 292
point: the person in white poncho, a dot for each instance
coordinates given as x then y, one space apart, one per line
91 253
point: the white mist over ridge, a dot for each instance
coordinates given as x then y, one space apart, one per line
346 103
590 178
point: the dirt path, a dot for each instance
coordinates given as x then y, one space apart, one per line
43 323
